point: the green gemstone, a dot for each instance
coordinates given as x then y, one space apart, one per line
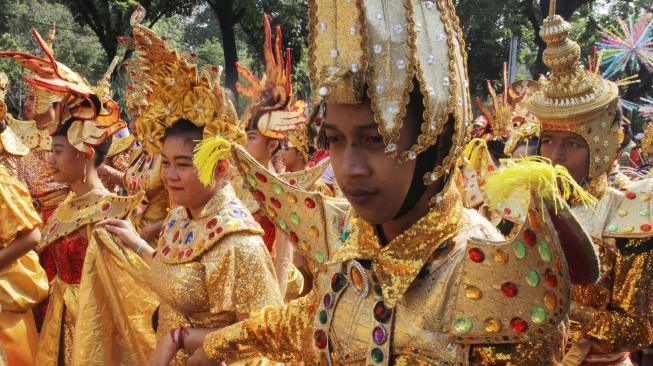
612 228
462 325
295 218
277 188
644 212
545 251
320 257
377 355
532 278
323 317
283 225
251 180
345 236
538 315
378 290
520 249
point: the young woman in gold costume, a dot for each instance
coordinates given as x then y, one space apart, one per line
97 314
210 268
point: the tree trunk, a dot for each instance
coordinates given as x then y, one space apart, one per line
224 11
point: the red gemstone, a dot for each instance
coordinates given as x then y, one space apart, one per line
211 235
631 195
293 237
219 230
645 227
309 203
180 254
507 211
259 195
166 250
130 87
211 224
261 178
476 255
105 207
189 252
175 236
550 278
215 69
530 238
518 325
320 339
292 182
275 202
509 289
490 168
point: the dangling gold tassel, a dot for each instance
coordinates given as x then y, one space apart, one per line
206 156
535 173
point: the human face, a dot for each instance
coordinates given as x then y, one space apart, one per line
66 163
374 183
567 149
292 159
260 146
29 111
29 106
179 175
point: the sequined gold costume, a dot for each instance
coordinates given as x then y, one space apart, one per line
23 283
612 317
215 267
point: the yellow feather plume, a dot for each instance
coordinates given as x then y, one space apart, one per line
207 155
475 151
535 173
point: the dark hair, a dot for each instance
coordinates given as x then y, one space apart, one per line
101 150
186 129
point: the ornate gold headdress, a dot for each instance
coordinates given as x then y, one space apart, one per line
4 85
647 141
379 47
271 108
573 99
77 101
299 139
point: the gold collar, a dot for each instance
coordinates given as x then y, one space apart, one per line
397 264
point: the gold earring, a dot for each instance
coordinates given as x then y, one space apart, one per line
84 178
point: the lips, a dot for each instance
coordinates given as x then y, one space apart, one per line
359 196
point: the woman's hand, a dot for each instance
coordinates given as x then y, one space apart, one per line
199 358
124 230
164 353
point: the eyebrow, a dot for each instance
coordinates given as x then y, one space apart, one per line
177 157
371 125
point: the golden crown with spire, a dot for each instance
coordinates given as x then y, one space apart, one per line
573 99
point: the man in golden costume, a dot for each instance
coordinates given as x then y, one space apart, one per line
402 282
581 130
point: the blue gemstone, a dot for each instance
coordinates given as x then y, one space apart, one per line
171 223
184 225
189 237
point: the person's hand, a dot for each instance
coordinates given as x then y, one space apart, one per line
164 353
151 232
199 358
124 230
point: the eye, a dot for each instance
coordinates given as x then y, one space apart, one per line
332 140
373 140
165 163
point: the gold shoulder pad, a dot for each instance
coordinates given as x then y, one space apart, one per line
633 217
314 223
304 179
517 290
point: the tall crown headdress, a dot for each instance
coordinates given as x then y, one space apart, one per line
378 47
573 99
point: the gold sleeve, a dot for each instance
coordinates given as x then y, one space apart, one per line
16 211
625 325
240 275
279 334
542 352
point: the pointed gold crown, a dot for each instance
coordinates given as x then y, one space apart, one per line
378 47
174 88
4 85
574 99
54 82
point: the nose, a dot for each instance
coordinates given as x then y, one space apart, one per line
558 154
355 162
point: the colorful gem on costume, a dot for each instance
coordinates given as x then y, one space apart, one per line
320 338
550 300
291 198
261 178
358 279
631 195
314 232
309 203
501 256
338 282
538 315
295 218
518 325
328 300
509 289
492 325
251 180
282 224
189 237
275 202
377 355
259 196
171 223
529 237
277 188
532 278
380 335
294 238
211 224
520 249
323 317
473 292
476 255
105 207
645 227
545 251
550 278
463 325
381 312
